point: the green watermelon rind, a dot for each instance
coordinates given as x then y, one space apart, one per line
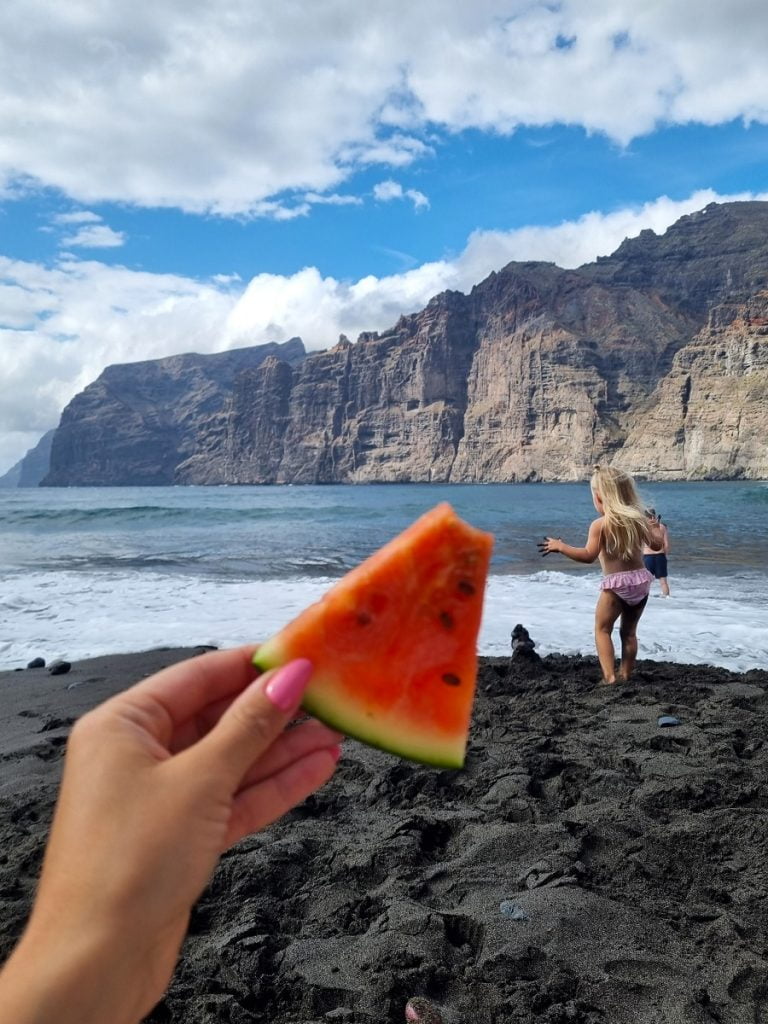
268 656
319 703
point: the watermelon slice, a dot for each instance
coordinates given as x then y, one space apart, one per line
394 642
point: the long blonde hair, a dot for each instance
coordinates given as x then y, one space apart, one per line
626 527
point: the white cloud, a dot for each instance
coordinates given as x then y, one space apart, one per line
90 233
64 324
77 217
72 320
573 243
95 236
418 199
333 199
227 107
385 191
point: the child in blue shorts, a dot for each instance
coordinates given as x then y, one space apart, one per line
656 549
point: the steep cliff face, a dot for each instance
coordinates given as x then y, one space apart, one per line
708 417
715 255
138 421
651 357
29 471
561 363
531 376
389 408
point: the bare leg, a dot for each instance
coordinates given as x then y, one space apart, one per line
630 616
608 610
664 586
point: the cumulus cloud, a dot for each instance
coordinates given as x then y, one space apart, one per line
229 107
385 191
62 325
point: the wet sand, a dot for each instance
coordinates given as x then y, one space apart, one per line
587 865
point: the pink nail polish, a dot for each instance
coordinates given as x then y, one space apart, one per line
286 686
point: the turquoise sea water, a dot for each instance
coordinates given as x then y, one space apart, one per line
99 570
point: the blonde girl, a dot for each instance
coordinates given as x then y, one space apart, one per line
616 538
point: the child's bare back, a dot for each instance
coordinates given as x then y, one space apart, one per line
616 538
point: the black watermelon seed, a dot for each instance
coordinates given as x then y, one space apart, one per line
363 619
451 679
465 587
447 619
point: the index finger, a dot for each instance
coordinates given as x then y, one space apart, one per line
184 689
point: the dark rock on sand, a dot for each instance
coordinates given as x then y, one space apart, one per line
36 663
522 644
668 721
59 667
638 855
513 911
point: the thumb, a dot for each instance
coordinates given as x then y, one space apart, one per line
252 723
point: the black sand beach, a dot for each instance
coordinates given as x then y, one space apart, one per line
587 865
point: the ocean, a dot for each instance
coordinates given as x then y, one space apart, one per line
91 571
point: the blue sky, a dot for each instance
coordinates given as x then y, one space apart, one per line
184 175
472 181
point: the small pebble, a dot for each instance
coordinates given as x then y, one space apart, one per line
37 663
421 1011
667 721
59 668
512 910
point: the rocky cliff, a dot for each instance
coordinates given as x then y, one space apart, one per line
29 471
652 358
138 421
708 417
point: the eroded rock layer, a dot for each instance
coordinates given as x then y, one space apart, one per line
654 358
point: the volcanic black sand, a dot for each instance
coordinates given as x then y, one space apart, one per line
586 865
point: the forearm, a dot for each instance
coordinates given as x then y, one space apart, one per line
70 979
574 553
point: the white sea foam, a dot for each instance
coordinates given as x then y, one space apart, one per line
77 615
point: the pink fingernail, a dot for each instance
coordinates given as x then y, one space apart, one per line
286 686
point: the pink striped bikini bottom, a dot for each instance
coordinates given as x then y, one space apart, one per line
632 586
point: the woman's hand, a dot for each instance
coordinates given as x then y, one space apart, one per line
550 545
158 782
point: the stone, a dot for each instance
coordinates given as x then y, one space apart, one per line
421 1011
511 910
36 663
59 667
522 645
668 721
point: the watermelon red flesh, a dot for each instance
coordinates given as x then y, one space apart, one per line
394 643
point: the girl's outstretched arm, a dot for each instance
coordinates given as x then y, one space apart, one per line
587 554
